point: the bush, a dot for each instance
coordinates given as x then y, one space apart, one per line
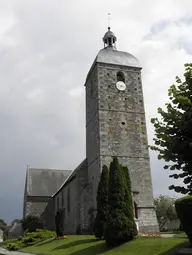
19 238
13 246
164 229
40 234
31 223
30 238
183 208
176 230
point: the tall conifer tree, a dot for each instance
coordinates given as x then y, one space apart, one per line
129 204
102 203
119 227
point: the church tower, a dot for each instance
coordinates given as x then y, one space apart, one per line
116 126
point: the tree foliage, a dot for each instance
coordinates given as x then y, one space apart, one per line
31 223
102 203
119 227
183 208
129 205
173 132
3 224
165 210
15 221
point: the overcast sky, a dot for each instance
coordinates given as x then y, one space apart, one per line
46 50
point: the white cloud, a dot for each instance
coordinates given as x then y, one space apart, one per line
36 95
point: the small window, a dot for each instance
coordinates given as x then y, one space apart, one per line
120 77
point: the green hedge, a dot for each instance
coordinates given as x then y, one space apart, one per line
183 208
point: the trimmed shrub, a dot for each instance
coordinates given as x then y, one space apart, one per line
183 208
102 204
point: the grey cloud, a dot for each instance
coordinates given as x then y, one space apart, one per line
45 55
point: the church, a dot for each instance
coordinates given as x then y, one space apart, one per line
115 126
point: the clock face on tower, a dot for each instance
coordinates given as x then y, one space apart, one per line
120 85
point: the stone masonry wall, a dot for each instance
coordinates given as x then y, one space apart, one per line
86 203
48 216
61 199
147 220
92 117
68 202
35 208
118 127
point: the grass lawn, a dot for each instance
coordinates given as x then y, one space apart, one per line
88 245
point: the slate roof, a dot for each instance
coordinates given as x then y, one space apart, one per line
116 57
110 55
45 182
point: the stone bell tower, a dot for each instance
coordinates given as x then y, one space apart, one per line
116 126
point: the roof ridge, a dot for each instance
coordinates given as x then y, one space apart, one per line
56 169
68 178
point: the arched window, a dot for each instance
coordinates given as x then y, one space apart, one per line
135 210
120 77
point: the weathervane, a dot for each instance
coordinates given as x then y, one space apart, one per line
109 19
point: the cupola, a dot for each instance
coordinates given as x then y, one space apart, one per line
109 39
